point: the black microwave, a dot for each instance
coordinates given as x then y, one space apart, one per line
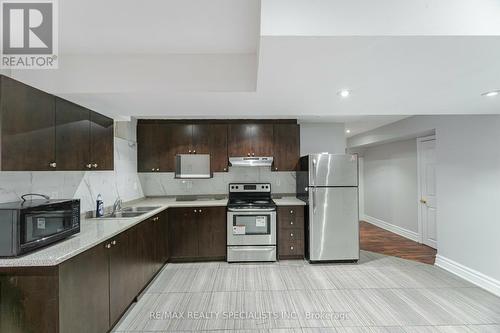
29 225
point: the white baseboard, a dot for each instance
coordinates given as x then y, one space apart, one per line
392 228
469 274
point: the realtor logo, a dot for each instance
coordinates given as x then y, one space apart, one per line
29 34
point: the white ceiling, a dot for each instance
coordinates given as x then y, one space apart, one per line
199 58
159 26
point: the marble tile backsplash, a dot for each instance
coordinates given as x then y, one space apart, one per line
122 183
158 184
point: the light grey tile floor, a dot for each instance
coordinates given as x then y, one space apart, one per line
379 294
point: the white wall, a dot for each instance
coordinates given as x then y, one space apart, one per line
122 182
390 184
468 190
322 137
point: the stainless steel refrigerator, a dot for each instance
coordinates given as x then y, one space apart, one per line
328 183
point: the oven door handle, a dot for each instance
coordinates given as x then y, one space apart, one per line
252 209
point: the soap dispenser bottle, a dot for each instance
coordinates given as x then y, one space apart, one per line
99 212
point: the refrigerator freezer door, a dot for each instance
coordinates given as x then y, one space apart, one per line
333 224
333 170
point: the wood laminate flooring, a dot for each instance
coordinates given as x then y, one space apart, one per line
378 294
375 239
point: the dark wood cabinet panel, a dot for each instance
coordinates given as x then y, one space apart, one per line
72 136
149 136
121 278
218 148
212 232
246 139
161 237
201 139
240 140
291 240
40 132
84 292
183 233
262 140
101 142
175 139
29 299
28 127
286 147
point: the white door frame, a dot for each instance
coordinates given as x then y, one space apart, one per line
419 194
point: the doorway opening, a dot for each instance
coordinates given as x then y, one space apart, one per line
398 199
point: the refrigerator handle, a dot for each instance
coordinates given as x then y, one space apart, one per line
314 172
313 199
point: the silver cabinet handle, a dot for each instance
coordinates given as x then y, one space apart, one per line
108 246
153 169
224 169
194 151
52 164
291 212
88 166
199 211
291 234
157 169
291 248
95 165
195 210
248 154
253 154
190 151
113 242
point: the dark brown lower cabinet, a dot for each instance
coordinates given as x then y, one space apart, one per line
89 292
291 232
84 292
197 233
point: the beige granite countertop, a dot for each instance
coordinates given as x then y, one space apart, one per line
95 231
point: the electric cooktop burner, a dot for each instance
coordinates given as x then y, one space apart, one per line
255 196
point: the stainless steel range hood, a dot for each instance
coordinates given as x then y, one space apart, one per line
192 166
258 161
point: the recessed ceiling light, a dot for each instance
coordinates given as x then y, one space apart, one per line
348 131
344 93
491 93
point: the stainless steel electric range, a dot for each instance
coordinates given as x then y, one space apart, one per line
251 223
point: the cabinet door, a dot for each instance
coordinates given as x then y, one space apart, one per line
262 140
121 293
183 233
72 136
101 142
286 147
218 148
201 139
162 249
84 292
212 232
148 154
240 137
176 140
28 127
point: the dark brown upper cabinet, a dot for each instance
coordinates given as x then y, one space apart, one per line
72 136
84 138
149 136
247 139
42 132
286 147
101 142
159 142
27 119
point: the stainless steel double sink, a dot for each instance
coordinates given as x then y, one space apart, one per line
130 212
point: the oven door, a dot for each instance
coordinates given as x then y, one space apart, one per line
251 227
